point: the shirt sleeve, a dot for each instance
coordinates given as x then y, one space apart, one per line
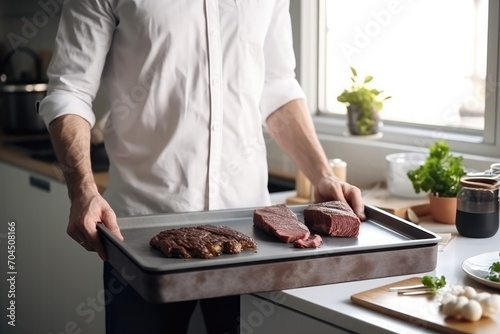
82 43
281 85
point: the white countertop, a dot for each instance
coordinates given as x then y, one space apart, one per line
331 303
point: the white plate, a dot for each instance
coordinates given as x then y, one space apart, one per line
477 267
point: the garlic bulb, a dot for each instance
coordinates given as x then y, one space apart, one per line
468 304
490 305
472 310
469 292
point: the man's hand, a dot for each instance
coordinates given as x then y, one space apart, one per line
331 188
292 128
70 136
86 212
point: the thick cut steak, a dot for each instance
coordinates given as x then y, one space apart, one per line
333 218
280 221
205 241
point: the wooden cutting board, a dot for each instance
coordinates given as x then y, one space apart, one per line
421 310
398 206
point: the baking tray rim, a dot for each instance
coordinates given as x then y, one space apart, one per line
431 239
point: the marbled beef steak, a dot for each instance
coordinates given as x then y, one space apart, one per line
280 221
333 218
204 241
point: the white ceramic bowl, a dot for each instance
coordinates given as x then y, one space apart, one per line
398 165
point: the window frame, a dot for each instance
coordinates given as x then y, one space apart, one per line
311 55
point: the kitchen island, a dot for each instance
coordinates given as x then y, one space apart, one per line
328 308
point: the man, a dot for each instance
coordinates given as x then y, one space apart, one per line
190 85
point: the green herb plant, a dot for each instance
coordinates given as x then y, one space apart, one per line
494 274
367 100
435 283
441 172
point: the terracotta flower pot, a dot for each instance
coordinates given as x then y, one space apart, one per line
443 209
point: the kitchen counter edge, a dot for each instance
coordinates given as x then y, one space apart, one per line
20 159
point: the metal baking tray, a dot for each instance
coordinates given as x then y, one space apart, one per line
386 246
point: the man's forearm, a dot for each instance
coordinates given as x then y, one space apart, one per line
292 128
70 135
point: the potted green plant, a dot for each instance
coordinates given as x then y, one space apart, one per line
363 105
440 176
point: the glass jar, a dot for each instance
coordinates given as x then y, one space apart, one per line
478 207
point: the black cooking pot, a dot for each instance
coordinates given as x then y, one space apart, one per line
19 98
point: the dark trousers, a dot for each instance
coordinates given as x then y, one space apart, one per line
127 312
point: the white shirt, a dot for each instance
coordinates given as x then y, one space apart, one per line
190 84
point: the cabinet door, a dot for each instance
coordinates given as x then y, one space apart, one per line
58 285
260 316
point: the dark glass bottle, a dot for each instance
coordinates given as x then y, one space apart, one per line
478 207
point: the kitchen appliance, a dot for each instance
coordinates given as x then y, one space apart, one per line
19 97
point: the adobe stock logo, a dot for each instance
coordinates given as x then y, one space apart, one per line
31 26
363 36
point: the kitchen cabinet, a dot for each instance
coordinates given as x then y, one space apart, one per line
58 285
260 316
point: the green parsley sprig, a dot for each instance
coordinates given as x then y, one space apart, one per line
494 274
433 282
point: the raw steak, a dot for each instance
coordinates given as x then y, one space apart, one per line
205 241
333 218
280 221
314 241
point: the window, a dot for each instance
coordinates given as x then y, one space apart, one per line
437 59
430 59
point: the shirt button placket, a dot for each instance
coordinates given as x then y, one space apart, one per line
216 117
